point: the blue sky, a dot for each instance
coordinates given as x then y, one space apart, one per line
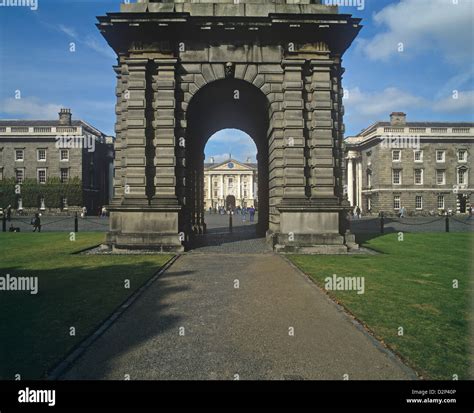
434 65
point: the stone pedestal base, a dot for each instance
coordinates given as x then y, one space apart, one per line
309 228
144 228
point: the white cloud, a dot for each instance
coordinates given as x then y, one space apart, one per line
90 41
230 141
384 102
463 103
29 108
421 25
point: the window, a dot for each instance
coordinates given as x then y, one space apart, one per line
215 194
231 181
462 155
440 156
369 179
418 176
369 203
396 176
396 156
19 175
64 174
440 177
41 155
19 155
64 155
418 156
419 202
396 202
41 176
1 174
440 201
462 176
245 194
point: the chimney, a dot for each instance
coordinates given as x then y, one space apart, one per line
398 119
65 117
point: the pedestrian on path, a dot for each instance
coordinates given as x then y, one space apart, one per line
252 213
36 221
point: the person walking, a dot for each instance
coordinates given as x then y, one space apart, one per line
402 212
358 212
84 212
36 221
252 213
9 213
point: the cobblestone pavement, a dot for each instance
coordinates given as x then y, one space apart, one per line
219 239
193 323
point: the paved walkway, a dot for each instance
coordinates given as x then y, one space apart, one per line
229 331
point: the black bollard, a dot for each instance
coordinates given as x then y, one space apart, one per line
230 222
447 223
382 223
76 223
4 223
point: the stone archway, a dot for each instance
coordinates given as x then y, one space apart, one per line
284 59
223 103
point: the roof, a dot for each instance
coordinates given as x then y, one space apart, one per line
46 123
216 165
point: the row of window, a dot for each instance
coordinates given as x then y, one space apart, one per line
246 194
41 175
462 176
418 155
41 155
418 202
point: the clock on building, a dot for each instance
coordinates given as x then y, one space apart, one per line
230 165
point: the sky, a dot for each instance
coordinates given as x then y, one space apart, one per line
415 56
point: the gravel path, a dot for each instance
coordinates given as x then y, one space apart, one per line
192 323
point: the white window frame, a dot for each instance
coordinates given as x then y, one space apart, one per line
399 155
22 177
399 176
22 155
419 198
38 155
466 175
443 171
61 155
465 155
38 175
61 174
1 174
421 176
420 151
443 159
440 197
397 198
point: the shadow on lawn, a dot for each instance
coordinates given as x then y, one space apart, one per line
35 329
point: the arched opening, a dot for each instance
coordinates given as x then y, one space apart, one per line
223 104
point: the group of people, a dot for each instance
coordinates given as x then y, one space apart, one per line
243 211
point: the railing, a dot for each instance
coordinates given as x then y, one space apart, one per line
417 130
439 130
65 129
461 130
42 130
20 130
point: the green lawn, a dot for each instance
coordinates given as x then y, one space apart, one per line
410 285
77 291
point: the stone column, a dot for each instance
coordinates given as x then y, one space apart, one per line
164 124
350 181
120 130
136 123
321 133
294 180
222 186
359 183
239 189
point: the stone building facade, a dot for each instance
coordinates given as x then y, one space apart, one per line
426 167
63 149
188 69
230 184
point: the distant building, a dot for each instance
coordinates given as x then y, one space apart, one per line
426 167
230 184
56 152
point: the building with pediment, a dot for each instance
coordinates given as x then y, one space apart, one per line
230 184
